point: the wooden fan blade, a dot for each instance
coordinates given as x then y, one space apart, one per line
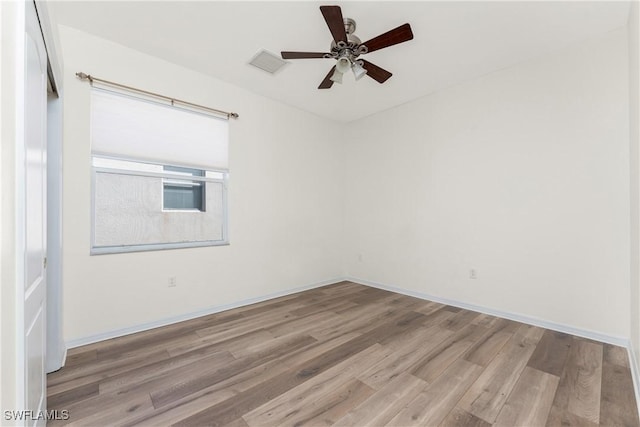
333 17
376 73
302 55
398 35
327 82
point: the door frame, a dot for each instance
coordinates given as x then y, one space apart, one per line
56 348
20 201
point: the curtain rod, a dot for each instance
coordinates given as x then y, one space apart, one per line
91 79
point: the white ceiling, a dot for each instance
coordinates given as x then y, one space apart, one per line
453 42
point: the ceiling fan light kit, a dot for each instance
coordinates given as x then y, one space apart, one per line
344 64
347 47
336 77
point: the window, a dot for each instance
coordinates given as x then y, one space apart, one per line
159 175
183 195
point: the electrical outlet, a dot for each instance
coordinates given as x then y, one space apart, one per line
173 281
473 274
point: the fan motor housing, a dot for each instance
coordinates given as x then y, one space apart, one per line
353 47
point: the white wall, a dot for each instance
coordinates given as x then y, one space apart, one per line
634 163
286 180
522 175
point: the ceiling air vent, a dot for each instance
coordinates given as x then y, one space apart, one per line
268 62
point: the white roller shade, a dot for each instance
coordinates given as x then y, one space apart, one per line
124 126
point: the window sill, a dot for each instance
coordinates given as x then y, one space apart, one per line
105 250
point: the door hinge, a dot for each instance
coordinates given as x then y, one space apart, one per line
44 262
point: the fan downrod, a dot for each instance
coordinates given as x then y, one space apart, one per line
349 25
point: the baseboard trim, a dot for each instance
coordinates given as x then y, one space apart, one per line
596 336
192 315
635 375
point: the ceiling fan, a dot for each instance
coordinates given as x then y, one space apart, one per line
346 48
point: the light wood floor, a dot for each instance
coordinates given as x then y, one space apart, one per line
346 355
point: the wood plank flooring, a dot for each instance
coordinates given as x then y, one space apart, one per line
346 355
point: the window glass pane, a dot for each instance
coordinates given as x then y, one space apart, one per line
183 171
128 211
181 194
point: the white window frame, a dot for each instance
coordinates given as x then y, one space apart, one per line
100 250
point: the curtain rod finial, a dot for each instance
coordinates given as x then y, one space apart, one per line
84 76
233 115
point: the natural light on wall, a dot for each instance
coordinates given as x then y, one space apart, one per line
159 174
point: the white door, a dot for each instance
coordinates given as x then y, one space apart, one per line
35 216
